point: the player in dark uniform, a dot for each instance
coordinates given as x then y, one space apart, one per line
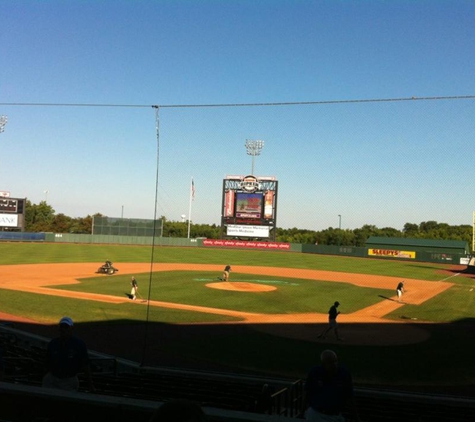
332 324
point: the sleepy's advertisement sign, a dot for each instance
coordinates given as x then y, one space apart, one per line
391 253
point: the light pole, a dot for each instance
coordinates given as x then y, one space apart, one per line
253 148
339 229
3 122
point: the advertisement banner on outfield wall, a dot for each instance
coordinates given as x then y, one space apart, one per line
8 220
390 253
247 244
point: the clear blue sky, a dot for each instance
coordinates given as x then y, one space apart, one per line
381 163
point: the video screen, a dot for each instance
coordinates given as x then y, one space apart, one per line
249 205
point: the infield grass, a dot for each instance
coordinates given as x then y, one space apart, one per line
292 296
190 287
444 359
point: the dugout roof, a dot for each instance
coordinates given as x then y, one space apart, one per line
428 245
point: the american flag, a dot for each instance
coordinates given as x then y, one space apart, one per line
192 189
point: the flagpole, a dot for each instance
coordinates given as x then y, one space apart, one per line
189 209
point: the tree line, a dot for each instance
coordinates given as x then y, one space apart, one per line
43 218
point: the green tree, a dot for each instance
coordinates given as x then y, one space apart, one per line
60 224
411 230
38 217
81 225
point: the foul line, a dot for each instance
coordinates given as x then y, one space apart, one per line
455 275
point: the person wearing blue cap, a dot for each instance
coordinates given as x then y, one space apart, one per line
66 357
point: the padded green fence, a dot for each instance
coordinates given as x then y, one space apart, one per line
361 252
420 255
126 226
121 240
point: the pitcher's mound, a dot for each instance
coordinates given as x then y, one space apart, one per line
241 286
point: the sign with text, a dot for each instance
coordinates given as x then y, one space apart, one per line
247 231
8 220
247 244
390 253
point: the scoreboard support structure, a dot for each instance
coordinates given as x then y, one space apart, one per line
249 208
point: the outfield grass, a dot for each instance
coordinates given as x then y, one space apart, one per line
292 296
39 253
444 359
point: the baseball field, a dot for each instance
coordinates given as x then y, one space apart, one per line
264 320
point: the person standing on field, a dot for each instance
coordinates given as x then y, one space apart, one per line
134 289
332 324
226 272
400 290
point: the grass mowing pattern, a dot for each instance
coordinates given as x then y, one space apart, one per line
189 287
425 363
455 304
40 253
48 310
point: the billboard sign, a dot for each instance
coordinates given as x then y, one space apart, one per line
247 244
8 220
389 253
247 231
249 207
229 203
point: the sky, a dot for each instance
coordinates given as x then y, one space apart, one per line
79 79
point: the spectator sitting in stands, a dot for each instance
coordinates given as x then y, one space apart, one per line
179 411
66 356
329 389
1 365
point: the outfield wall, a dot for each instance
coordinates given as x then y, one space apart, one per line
121 240
448 257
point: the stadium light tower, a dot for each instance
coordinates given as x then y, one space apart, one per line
3 122
253 148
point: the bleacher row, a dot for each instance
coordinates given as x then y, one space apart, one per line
224 394
24 364
268 398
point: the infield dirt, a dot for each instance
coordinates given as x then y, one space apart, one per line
366 326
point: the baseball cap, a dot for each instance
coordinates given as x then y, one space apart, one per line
337 303
66 320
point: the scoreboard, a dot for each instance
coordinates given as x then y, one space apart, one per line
9 205
249 207
12 214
